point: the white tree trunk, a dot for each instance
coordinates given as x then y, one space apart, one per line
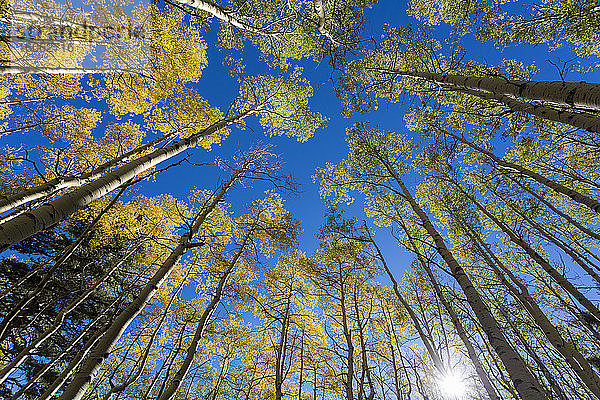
101 351
570 94
179 376
57 184
29 223
523 380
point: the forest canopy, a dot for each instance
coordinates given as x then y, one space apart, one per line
300 199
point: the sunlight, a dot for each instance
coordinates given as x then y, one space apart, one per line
453 385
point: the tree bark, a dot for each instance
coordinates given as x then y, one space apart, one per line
88 371
523 380
27 224
573 357
569 94
541 261
60 183
460 330
192 349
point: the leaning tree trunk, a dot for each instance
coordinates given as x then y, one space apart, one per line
460 330
572 221
18 69
58 321
557 187
523 380
55 185
84 376
578 119
28 224
222 14
583 262
568 94
571 355
437 361
179 376
541 261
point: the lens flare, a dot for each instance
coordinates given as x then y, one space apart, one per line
453 385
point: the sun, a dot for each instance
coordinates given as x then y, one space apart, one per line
453 385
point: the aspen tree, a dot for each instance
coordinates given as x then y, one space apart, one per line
89 369
257 221
368 155
280 103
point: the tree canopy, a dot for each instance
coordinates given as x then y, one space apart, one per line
302 199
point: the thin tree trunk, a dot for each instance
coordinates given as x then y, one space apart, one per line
348 336
88 371
192 349
301 366
541 261
55 185
18 69
556 210
554 386
58 320
26 225
574 358
74 364
435 357
280 359
460 330
552 239
592 203
139 369
524 381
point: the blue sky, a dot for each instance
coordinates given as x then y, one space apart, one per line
327 145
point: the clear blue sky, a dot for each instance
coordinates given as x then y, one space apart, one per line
328 145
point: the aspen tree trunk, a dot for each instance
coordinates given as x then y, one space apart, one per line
60 259
582 120
569 94
88 371
30 16
280 359
435 357
73 365
301 366
66 373
552 239
541 261
172 352
574 358
139 369
348 336
524 381
192 349
54 185
460 330
552 383
27 224
56 324
320 11
557 187
556 210
365 370
225 15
